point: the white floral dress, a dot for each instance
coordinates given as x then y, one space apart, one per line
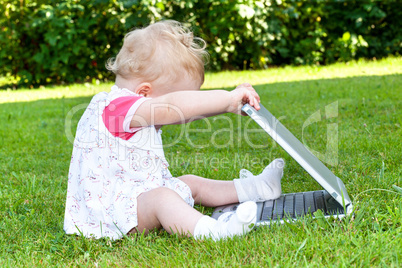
111 165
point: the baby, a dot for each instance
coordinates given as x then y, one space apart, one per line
119 182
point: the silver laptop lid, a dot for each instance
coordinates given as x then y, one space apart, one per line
297 151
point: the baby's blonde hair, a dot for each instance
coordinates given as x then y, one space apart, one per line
160 49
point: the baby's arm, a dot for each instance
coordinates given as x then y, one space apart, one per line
181 106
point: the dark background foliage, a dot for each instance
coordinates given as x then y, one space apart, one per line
44 41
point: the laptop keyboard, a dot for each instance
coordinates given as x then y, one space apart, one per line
299 204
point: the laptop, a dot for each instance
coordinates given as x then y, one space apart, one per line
332 201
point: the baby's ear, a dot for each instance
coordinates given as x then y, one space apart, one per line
144 89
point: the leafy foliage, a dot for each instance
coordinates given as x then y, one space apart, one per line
45 42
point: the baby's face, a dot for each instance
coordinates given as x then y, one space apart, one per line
184 83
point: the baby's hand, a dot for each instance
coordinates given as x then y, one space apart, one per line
241 95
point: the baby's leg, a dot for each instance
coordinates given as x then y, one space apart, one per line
264 186
211 193
162 207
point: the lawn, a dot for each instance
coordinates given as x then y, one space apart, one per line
360 102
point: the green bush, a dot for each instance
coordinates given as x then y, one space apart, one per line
45 42
63 42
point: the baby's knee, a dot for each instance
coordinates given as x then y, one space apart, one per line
163 191
163 194
188 177
153 200
156 194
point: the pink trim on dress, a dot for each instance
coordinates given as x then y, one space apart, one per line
117 116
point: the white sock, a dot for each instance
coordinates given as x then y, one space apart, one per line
228 224
262 187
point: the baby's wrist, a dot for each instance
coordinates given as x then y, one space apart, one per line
231 102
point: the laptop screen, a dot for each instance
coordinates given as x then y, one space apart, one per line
299 152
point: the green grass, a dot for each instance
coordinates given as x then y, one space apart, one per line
35 153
